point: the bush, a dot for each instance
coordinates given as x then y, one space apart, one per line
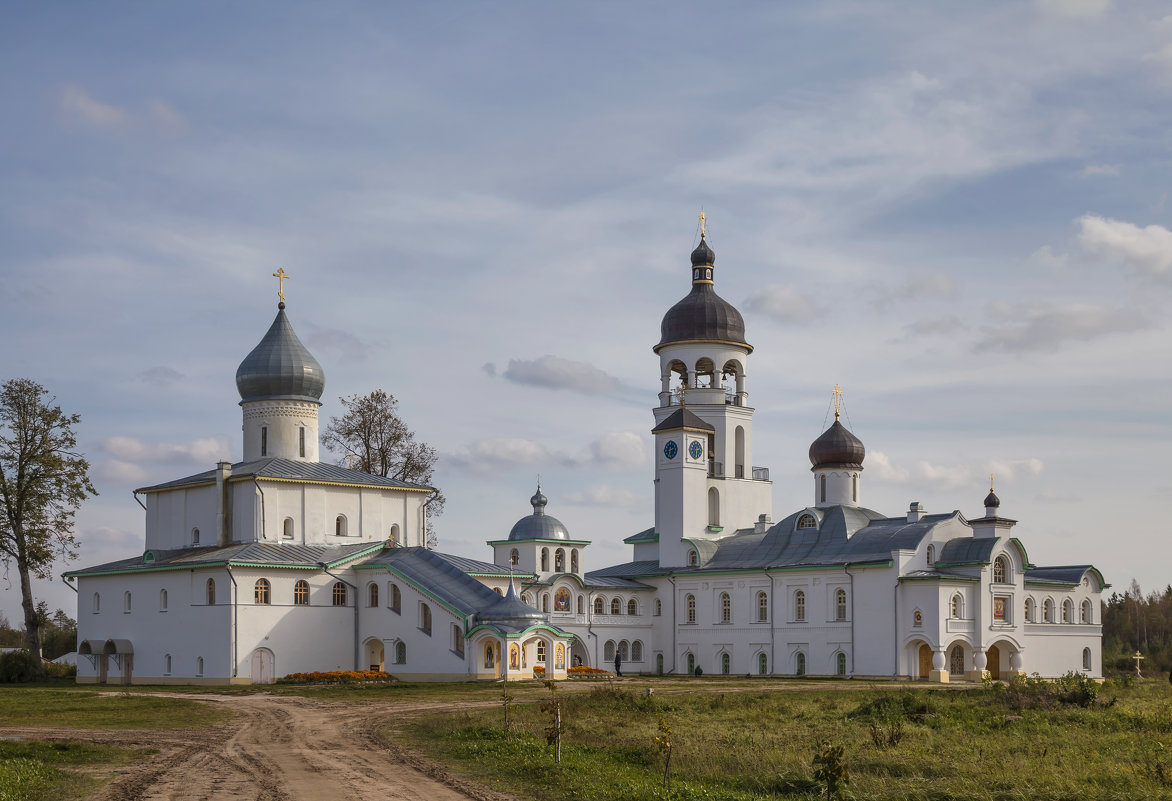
1034 692
337 677
20 666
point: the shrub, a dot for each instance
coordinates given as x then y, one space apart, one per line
20 666
336 677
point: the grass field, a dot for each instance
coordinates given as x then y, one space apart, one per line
758 743
36 705
32 771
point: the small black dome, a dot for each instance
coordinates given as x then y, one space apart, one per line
280 367
991 500
703 256
837 447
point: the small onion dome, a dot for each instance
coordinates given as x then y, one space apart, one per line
280 367
510 610
539 525
837 447
702 315
992 501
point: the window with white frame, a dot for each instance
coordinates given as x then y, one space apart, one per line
799 605
840 604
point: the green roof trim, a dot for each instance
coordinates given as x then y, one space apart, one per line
535 539
962 579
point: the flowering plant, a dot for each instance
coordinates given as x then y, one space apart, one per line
336 677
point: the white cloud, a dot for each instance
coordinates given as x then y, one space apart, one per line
160 376
948 476
784 303
76 104
116 471
879 464
1081 9
1043 326
1147 250
1045 258
1011 468
934 327
619 449
167 118
490 454
1092 170
343 346
951 476
204 452
554 372
605 495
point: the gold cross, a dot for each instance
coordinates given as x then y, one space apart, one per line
990 482
837 397
281 275
703 220
683 389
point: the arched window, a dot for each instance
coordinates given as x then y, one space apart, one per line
800 664
580 604
1085 616
1000 570
559 560
457 641
931 555
821 499
807 521
691 661
840 604
693 559
1048 611
623 651
725 663
396 598
574 561
340 526
632 607
599 605
489 656
339 594
616 606
690 603
854 496
1068 611
1086 658
1029 610
264 440
372 594
713 507
739 452
762 607
956 660
514 556
637 651
301 593
840 664
393 537
162 600
199 666
544 560
425 619
799 605
541 652
287 529
126 601
98 600
195 536
211 592
762 664
545 602
956 611
301 441
166 664
725 608
400 653
498 590
608 651
261 592
658 607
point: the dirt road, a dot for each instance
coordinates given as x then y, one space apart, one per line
277 749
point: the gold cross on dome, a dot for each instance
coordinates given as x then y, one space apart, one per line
281 275
990 482
703 226
837 400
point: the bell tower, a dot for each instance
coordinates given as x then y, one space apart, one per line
706 486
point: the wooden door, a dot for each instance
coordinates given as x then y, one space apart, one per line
994 664
925 661
262 666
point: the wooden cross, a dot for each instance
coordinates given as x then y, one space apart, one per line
1138 656
837 398
703 227
281 275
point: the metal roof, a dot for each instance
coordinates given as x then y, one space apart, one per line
837 447
436 575
1064 574
245 554
682 418
702 315
978 550
280 366
646 535
292 470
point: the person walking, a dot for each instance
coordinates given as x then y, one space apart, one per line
618 665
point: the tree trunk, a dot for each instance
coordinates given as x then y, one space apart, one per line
32 624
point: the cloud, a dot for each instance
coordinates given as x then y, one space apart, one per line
1080 9
198 451
1092 170
1044 326
783 302
919 287
1010 469
619 449
116 471
490 454
343 346
951 476
1147 250
489 369
554 372
605 495
1045 258
934 327
167 118
159 376
879 464
77 105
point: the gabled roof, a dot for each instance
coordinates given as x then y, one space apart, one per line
968 551
682 418
640 569
435 575
646 535
253 554
292 470
1063 574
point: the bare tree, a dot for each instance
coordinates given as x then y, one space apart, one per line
371 437
42 482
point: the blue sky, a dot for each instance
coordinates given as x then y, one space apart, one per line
957 212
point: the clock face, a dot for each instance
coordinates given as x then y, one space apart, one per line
695 450
671 449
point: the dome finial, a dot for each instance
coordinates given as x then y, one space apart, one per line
837 400
703 223
281 275
990 482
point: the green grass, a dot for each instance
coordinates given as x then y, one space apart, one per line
750 741
30 705
32 771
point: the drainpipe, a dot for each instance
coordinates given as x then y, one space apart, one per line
223 516
895 630
423 516
674 628
140 503
325 569
590 630
854 645
235 619
66 579
773 628
256 481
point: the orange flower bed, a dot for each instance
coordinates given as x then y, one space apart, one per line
336 677
538 670
584 670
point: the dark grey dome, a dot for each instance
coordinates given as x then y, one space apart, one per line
539 525
511 610
702 315
280 367
837 447
991 500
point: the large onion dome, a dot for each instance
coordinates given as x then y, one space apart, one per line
511 611
702 315
837 447
539 525
280 367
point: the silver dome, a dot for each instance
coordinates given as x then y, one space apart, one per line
280 367
539 525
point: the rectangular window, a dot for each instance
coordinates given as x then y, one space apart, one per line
264 441
999 606
301 441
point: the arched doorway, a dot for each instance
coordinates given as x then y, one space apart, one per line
375 655
924 661
994 662
579 655
262 666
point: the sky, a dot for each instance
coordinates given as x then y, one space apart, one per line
957 212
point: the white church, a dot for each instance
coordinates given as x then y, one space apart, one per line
285 564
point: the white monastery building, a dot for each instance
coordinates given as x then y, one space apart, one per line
282 563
